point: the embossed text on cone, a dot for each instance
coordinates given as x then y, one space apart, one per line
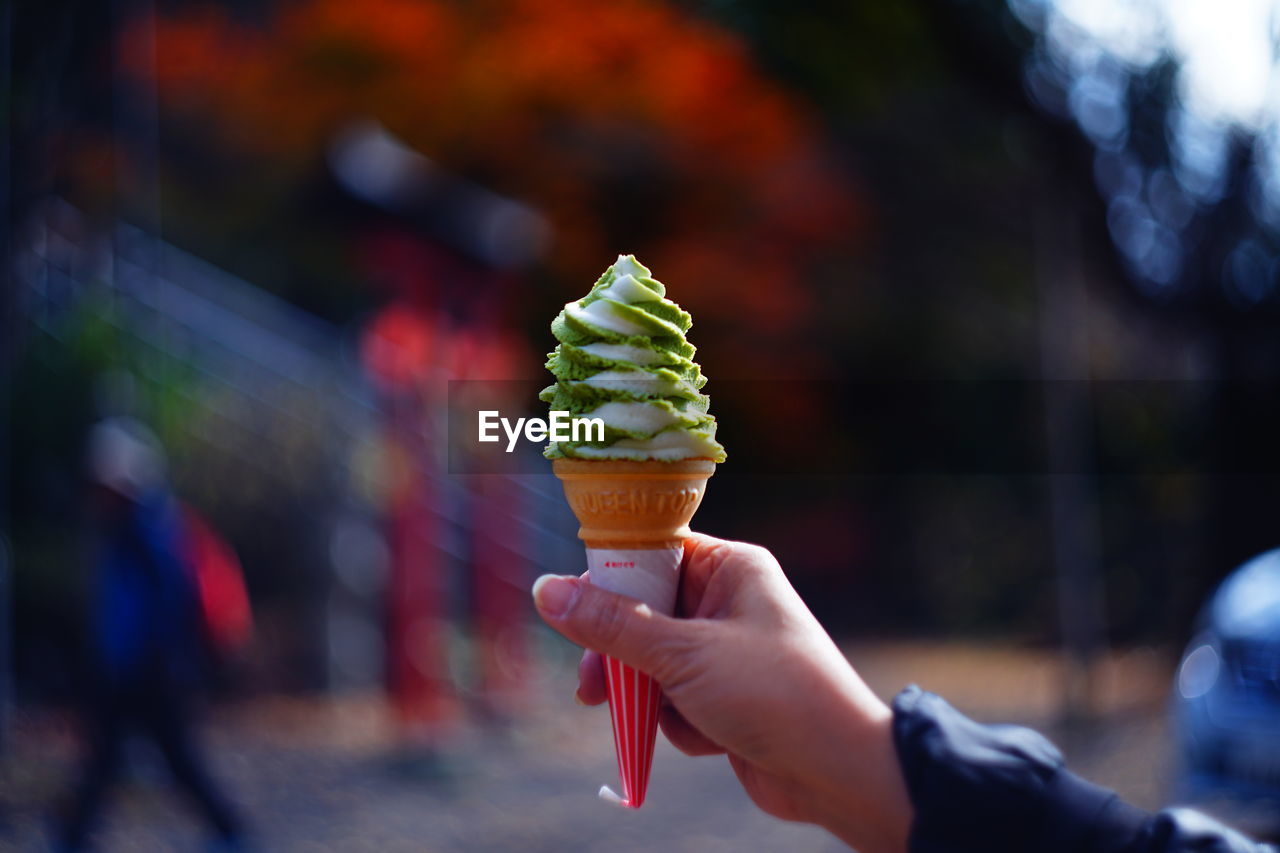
626 504
634 517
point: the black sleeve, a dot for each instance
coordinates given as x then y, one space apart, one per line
1003 789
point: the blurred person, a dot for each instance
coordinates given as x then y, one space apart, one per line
748 672
147 632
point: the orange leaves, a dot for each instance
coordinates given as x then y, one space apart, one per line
625 122
449 74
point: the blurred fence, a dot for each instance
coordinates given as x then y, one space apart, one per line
274 433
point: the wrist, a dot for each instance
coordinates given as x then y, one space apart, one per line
864 798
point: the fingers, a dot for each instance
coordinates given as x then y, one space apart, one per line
703 553
702 556
683 735
720 578
616 625
591 685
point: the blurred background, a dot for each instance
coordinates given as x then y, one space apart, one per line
986 291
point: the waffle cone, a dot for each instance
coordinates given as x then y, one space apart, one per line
637 505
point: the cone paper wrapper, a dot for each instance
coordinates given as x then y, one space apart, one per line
653 576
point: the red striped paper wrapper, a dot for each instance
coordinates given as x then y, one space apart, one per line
653 577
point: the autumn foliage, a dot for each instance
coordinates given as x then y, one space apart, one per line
631 125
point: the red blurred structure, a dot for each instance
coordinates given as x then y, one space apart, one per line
412 350
399 349
498 543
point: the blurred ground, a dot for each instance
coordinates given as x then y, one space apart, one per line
324 775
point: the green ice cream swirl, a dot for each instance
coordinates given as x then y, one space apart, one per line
623 358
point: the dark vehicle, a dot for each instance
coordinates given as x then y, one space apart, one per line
1226 696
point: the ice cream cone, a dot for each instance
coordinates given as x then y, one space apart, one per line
634 517
624 370
626 504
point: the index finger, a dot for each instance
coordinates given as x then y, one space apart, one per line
703 554
721 576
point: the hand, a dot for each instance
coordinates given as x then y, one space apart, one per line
749 672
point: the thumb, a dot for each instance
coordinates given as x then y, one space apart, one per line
615 625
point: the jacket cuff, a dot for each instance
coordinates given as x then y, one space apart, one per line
1082 816
998 788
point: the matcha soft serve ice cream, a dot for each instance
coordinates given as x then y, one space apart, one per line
623 361
623 358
